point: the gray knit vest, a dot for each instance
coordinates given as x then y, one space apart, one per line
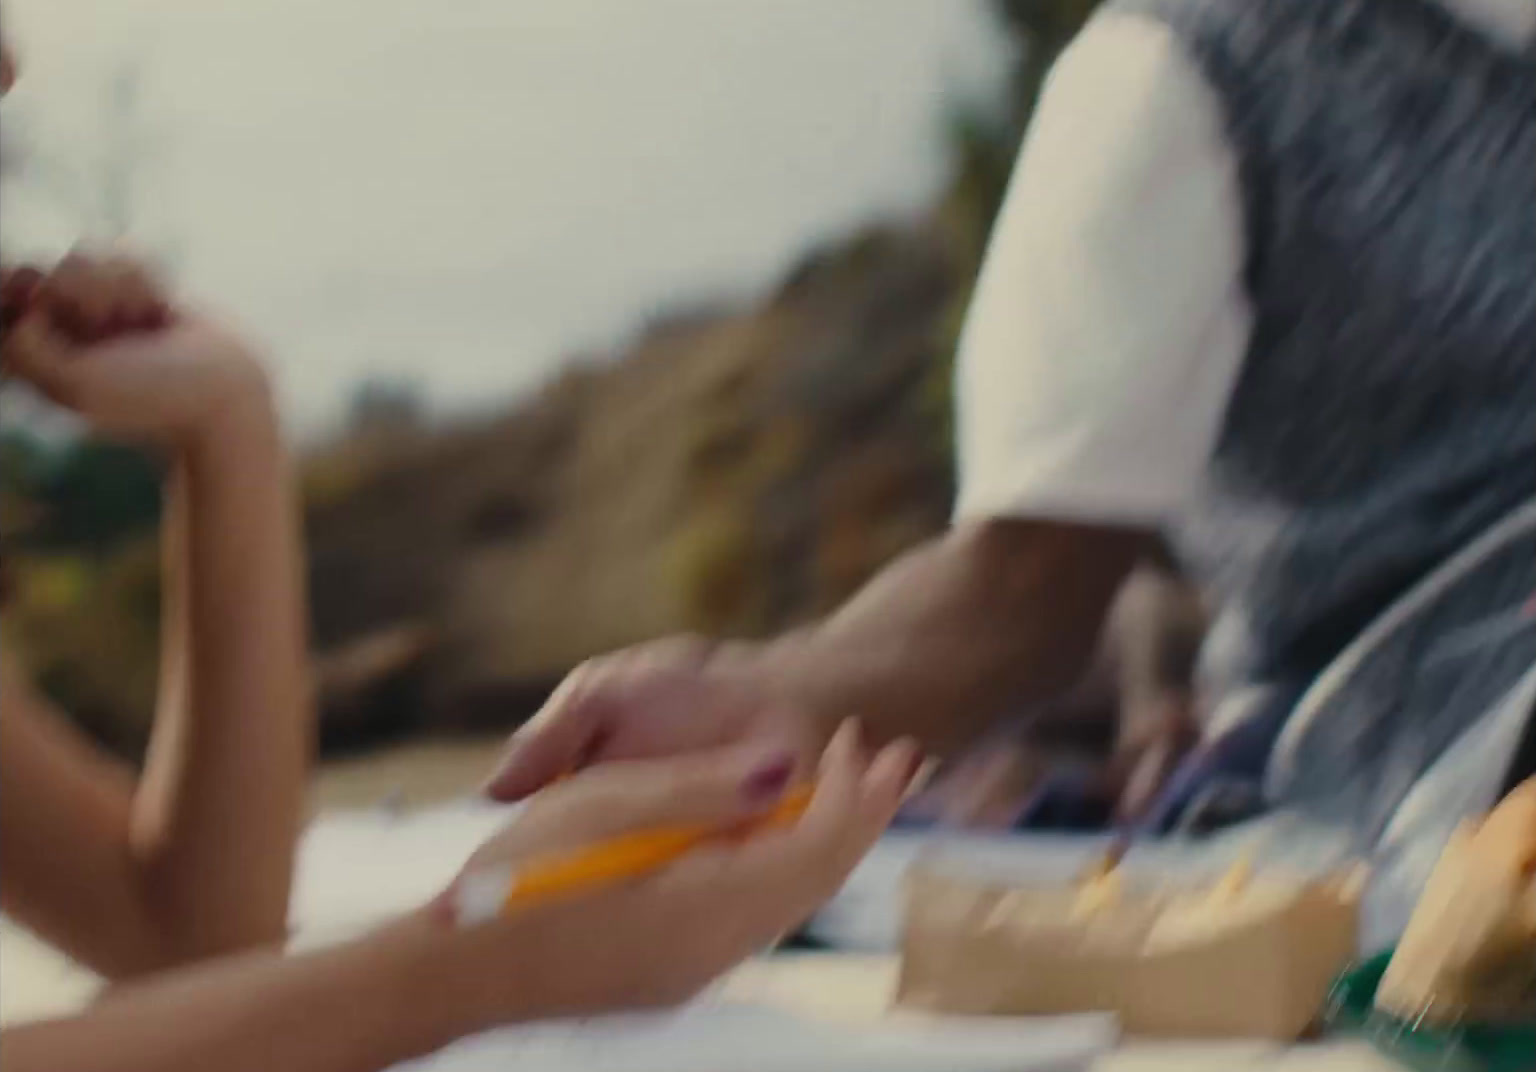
1385 414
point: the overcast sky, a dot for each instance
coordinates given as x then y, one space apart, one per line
465 191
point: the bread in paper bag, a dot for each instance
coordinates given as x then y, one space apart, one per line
1469 952
1251 956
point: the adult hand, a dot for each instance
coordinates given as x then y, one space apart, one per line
659 940
671 697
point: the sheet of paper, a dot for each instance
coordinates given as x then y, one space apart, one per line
359 868
720 1037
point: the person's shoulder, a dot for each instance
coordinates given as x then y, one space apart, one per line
1127 49
1131 80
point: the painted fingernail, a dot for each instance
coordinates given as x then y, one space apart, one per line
769 780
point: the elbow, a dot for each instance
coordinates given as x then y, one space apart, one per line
180 944
186 926
221 931
166 947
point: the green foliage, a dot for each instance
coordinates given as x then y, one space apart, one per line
99 495
88 495
87 626
83 611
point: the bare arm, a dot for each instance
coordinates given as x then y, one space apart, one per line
351 1009
218 811
423 982
934 648
196 857
943 639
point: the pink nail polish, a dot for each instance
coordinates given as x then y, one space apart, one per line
770 780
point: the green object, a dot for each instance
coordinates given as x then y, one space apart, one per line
1465 1048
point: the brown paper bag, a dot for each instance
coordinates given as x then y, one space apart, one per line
1469 953
1190 963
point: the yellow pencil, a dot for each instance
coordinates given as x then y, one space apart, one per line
497 891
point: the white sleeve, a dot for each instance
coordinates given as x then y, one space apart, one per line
1110 320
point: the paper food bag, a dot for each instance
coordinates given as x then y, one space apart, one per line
1247 958
1469 953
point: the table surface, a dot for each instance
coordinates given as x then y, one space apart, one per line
844 988
35 981
858 989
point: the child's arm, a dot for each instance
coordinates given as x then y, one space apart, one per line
196 859
220 805
425 981
358 1008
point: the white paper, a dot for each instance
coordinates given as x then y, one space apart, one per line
722 1038
357 869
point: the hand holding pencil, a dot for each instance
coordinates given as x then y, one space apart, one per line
624 824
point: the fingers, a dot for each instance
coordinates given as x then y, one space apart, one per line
91 299
715 789
732 903
34 353
18 287
664 939
141 304
555 742
855 800
776 879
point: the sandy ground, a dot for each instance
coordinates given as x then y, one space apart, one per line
35 981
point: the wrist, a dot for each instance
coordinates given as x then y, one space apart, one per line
460 981
434 983
785 673
243 427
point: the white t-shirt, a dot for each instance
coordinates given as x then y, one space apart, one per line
1110 320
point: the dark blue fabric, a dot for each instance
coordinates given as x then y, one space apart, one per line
1067 801
1238 755
1385 412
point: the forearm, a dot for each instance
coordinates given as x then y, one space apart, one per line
361 1007
221 803
944 639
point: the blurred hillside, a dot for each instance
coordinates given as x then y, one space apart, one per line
731 471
